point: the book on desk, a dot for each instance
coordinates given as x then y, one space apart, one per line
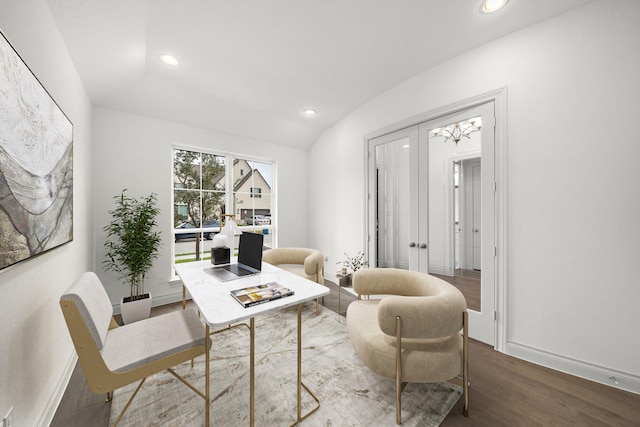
258 294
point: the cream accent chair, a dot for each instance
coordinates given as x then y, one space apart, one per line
414 333
307 263
112 356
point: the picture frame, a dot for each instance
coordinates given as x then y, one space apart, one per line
36 164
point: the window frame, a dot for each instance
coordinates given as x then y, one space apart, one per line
229 193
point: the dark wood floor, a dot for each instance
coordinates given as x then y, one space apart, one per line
469 282
505 391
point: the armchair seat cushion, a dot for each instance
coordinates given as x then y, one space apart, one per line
378 350
148 340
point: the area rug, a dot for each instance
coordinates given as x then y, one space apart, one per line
349 393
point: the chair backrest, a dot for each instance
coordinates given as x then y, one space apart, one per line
277 256
311 259
93 304
429 306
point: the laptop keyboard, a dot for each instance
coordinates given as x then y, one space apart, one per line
239 270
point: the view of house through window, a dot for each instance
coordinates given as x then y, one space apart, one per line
209 190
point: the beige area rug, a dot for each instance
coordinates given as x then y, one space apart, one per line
350 394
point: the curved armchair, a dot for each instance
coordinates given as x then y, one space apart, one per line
307 263
416 337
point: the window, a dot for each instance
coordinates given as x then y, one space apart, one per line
211 189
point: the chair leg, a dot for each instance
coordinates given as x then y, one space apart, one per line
465 363
128 403
398 370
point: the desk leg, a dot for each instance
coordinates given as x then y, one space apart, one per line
252 357
207 378
300 384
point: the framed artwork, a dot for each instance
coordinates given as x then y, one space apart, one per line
36 164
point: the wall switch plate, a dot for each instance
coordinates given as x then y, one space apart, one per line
7 421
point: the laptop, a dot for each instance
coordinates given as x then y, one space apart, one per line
249 259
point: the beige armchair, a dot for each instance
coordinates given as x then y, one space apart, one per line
414 333
112 357
307 263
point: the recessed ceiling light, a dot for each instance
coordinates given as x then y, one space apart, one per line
309 112
490 6
169 60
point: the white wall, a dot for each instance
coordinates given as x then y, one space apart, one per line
36 353
134 152
573 200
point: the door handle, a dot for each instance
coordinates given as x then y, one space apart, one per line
412 244
423 246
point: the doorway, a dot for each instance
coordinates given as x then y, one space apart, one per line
431 205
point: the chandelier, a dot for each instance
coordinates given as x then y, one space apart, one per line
457 131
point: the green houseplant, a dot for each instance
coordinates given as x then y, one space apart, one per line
132 245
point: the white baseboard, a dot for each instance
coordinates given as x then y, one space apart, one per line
49 411
599 374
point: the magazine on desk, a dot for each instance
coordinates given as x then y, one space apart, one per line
259 294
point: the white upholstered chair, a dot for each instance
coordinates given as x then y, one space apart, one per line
413 335
112 357
308 263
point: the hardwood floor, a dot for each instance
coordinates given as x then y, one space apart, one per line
504 391
468 281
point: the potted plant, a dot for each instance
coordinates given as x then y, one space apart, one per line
132 245
353 263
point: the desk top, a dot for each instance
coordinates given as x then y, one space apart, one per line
219 308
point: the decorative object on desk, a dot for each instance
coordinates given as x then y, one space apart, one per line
132 245
231 230
220 252
350 394
254 295
36 164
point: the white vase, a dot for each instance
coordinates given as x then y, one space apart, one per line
139 309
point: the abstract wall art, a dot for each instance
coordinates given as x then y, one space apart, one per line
36 164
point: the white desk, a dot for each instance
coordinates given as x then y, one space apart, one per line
219 309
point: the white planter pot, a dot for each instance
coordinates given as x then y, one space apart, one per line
132 311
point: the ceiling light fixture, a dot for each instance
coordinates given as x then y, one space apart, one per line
490 6
457 131
309 112
169 60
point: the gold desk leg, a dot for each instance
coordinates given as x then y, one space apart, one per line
207 402
184 297
252 358
300 384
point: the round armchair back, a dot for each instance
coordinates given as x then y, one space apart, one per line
430 305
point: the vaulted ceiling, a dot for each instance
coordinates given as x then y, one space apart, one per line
250 67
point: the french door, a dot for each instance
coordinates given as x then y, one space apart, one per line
431 205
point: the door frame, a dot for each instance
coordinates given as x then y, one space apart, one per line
499 97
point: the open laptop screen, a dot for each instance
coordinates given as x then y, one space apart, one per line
250 250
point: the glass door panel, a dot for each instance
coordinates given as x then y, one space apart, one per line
393 199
